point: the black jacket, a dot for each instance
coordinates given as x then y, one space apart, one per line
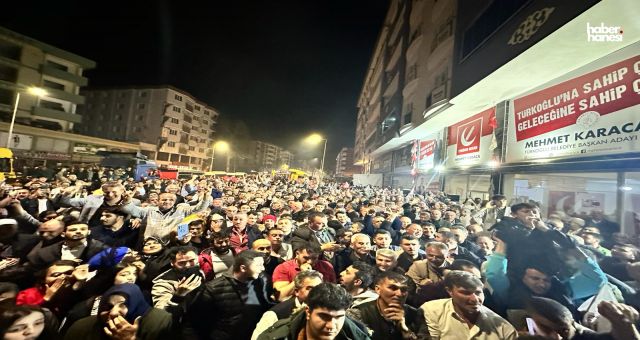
42 256
229 309
288 329
368 314
347 257
304 235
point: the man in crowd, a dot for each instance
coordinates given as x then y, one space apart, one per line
430 270
357 279
238 299
303 283
358 250
324 318
316 233
463 316
278 247
115 229
306 258
171 287
263 246
410 252
388 316
218 259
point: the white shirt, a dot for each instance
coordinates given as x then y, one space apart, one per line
73 253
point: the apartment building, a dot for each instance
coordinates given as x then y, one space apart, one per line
181 126
269 156
344 163
408 79
26 63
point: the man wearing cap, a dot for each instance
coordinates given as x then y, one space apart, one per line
494 211
269 222
592 238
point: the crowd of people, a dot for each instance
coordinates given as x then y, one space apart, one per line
100 255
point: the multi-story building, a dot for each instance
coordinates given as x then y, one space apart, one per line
344 163
25 63
180 125
269 156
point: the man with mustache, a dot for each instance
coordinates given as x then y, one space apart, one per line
463 316
389 317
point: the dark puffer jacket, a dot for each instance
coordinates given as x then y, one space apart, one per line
288 329
229 309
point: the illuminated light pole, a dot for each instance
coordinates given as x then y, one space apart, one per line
315 139
222 146
34 91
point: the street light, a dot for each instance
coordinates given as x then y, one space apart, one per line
316 139
34 91
222 146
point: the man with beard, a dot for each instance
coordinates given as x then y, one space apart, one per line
115 230
171 287
62 243
218 259
230 306
429 271
270 262
324 318
463 316
389 317
304 282
356 279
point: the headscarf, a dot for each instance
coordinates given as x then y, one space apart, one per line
136 304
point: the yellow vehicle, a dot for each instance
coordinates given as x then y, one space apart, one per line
6 164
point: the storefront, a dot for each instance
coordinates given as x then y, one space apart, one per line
573 144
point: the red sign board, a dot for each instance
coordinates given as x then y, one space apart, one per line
602 91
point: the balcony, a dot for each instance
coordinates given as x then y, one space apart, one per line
413 51
63 95
395 56
64 75
56 114
392 85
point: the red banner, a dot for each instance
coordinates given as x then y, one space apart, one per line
467 133
427 148
603 91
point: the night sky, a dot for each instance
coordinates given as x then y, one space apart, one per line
286 68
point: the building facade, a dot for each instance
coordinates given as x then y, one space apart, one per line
541 105
408 80
181 126
269 156
344 163
25 63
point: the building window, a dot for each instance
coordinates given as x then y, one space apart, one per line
53 85
192 148
176 109
201 150
141 106
139 118
142 94
206 112
171 144
58 66
197 107
137 129
120 106
173 132
178 97
175 120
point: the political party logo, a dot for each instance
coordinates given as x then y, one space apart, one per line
469 137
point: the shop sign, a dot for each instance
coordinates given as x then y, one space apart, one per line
18 141
57 156
425 153
87 148
594 114
472 141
